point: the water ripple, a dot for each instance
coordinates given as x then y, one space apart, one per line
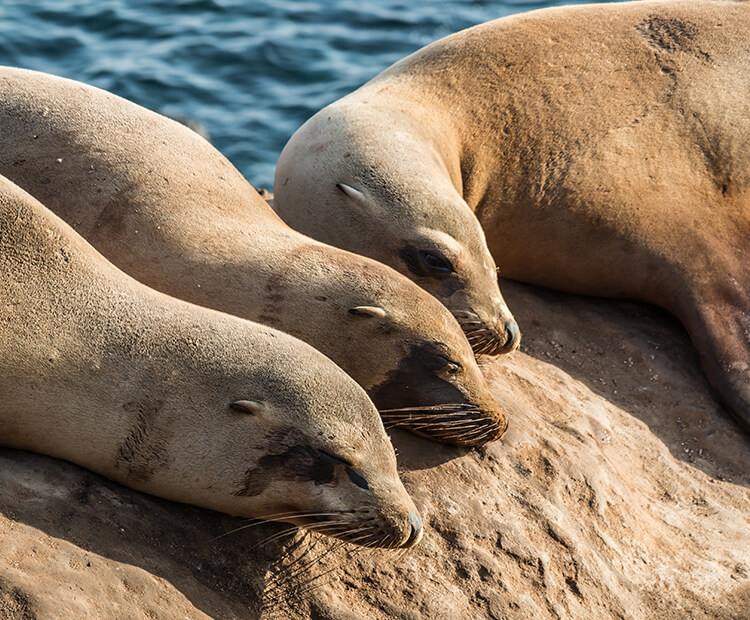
250 72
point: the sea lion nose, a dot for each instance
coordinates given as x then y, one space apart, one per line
512 337
413 520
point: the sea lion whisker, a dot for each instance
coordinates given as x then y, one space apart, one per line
463 417
486 345
373 539
359 538
482 329
478 331
377 545
284 574
438 415
327 525
454 425
441 406
486 431
477 434
345 527
300 513
470 433
422 425
305 587
365 542
338 544
311 542
428 418
450 407
314 583
278 518
277 536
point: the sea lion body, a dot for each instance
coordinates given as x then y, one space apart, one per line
177 400
168 209
605 150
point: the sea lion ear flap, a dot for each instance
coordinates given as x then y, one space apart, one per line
357 195
375 311
253 407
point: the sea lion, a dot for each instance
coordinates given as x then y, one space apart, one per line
605 149
180 401
168 209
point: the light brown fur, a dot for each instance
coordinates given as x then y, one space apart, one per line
167 208
97 369
604 149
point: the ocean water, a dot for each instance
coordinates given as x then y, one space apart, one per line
250 71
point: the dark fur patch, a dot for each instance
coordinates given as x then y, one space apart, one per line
298 463
414 383
357 479
291 458
142 453
670 35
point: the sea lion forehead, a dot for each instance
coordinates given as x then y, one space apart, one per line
354 279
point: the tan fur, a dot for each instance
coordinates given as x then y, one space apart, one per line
167 208
605 149
97 369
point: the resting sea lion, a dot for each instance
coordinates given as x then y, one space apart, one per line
180 401
168 209
605 149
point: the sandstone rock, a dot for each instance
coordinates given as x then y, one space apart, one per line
622 490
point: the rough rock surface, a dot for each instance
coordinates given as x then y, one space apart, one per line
621 490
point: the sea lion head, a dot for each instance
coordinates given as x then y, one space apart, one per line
348 181
396 340
300 442
181 401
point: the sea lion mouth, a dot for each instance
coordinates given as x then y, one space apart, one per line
457 424
485 340
363 529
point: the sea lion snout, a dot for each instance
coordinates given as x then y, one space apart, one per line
416 529
385 516
406 532
490 337
462 425
512 337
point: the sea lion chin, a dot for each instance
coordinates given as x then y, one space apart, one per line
180 401
602 148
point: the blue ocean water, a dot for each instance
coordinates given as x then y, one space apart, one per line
251 71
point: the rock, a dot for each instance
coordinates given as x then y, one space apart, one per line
622 490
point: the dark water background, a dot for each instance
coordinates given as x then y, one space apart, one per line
251 71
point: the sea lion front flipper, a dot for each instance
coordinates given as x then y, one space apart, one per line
720 330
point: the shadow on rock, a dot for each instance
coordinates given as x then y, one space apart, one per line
78 545
416 453
639 358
